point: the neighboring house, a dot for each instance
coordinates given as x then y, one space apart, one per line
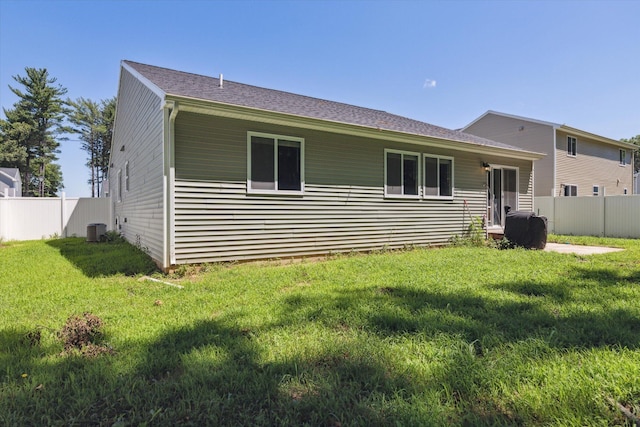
10 182
578 163
206 170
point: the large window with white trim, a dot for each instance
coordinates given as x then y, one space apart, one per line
402 173
438 176
275 163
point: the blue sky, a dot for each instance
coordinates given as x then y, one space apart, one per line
445 63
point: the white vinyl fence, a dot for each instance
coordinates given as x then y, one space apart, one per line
31 218
608 216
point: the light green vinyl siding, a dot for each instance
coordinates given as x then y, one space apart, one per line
343 206
137 139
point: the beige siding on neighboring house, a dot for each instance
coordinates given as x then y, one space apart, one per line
343 207
529 135
139 130
585 169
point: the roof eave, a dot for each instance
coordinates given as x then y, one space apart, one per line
221 109
604 140
511 116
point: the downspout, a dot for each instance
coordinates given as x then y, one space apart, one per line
170 113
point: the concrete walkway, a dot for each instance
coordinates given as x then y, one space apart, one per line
579 249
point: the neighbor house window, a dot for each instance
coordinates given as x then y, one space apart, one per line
126 176
571 146
119 185
571 190
596 190
438 176
623 157
401 173
275 163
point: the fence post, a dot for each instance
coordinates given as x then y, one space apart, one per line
63 213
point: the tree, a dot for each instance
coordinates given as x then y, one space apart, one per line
635 140
30 133
94 123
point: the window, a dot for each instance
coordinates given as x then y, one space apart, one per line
623 157
571 146
401 173
126 176
596 190
625 191
570 190
438 176
120 185
275 163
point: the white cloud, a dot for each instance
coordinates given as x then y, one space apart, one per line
428 84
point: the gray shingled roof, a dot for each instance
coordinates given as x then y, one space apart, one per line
207 88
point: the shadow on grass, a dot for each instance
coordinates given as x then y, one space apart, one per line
213 373
488 320
607 276
104 259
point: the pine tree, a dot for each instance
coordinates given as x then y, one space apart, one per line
94 123
30 133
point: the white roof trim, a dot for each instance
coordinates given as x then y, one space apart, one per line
556 126
286 119
148 83
512 116
12 178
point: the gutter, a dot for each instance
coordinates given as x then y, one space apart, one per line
220 109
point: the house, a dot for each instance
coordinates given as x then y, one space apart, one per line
578 163
10 182
207 170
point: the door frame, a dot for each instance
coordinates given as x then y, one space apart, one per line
492 206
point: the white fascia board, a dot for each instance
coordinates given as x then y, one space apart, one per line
265 116
584 134
511 116
145 81
12 178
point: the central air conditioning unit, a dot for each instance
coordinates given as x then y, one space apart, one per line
96 232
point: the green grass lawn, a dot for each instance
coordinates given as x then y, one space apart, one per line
460 335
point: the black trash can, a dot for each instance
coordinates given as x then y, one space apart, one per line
525 229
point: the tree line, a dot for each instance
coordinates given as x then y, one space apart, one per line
31 132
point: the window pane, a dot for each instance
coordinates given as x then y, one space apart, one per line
431 176
410 174
394 173
571 146
289 165
446 187
262 163
497 196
